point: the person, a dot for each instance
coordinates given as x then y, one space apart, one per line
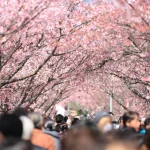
10 126
75 121
142 127
127 138
49 129
103 121
83 136
147 124
119 145
142 121
131 120
86 136
115 125
145 144
120 121
69 122
12 143
39 138
66 119
61 126
28 127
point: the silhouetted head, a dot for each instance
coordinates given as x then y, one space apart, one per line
10 126
59 118
83 136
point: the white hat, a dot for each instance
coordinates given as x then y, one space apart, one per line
28 127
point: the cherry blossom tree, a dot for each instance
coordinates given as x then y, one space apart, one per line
39 56
127 57
120 42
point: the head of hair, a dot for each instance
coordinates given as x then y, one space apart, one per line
65 118
49 125
20 111
100 115
15 144
119 145
129 116
27 127
59 118
11 126
147 121
89 124
37 119
126 137
82 137
75 121
120 119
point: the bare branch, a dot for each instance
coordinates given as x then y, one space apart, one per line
79 26
100 65
118 102
18 46
129 82
4 82
21 65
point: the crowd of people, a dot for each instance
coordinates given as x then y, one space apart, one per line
23 130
